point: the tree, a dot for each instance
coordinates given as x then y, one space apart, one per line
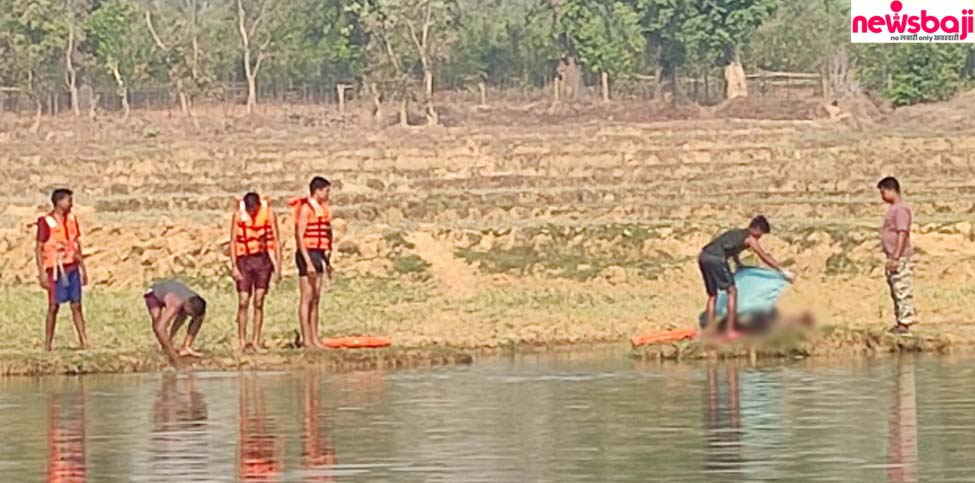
425 27
175 30
497 41
72 21
257 22
120 46
605 34
716 30
663 27
35 40
809 36
912 73
319 43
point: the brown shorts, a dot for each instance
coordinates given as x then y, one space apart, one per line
255 273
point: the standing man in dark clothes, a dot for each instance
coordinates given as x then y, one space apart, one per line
713 262
895 238
172 302
61 265
313 236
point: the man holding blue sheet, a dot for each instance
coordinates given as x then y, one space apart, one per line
718 277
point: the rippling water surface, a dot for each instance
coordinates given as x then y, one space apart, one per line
564 418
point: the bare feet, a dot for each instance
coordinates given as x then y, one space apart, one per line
189 352
732 335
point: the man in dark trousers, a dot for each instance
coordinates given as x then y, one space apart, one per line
713 262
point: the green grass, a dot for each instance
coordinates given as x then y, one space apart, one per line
118 320
573 252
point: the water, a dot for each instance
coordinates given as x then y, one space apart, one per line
593 418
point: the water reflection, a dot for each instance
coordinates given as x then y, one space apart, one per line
317 448
559 421
723 454
902 426
260 449
179 425
66 435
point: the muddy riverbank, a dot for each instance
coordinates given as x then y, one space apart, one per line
831 342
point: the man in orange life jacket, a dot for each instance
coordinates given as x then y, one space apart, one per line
253 236
313 234
60 264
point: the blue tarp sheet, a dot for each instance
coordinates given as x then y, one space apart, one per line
759 290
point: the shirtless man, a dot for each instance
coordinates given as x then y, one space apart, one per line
170 303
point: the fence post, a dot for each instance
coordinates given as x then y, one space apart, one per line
341 88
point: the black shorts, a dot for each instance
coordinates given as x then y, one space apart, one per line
318 258
717 274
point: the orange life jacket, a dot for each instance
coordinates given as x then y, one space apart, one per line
254 234
318 234
61 247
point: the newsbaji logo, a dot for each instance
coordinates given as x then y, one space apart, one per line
919 21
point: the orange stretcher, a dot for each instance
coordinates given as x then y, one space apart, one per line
664 337
357 342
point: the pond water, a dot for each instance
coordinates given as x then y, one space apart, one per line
559 418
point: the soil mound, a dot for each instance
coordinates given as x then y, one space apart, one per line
949 116
769 108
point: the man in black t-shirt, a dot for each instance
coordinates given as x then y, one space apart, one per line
713 262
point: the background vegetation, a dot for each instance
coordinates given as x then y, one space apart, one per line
185 51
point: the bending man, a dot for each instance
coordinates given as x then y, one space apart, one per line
713 262
170 303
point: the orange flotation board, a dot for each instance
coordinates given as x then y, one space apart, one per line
357 342
664 337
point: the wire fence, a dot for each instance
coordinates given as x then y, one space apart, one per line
704 90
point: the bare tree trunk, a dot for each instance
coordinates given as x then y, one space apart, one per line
707 86
184 102
71 75
195 41
572 79
404 120
658 90
433 118
251 93
245 40
341 89
122 91
734 75
483 89
604 77
37 116
377 104
93 106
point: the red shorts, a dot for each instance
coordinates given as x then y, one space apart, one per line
152 302
255 272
